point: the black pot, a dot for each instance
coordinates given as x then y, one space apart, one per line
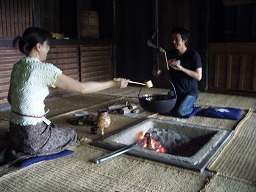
158 103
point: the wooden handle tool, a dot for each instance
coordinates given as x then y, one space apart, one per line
148 84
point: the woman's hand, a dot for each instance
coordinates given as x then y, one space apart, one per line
121 82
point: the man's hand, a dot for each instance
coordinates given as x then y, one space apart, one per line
175 64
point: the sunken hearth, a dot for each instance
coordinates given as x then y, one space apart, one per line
183 145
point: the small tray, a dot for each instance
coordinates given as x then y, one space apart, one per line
83 120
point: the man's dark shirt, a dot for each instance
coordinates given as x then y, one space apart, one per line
184 84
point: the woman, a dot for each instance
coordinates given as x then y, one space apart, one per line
31 134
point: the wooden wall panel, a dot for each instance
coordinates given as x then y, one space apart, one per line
232 67
238 2
247 75
15 17
66 57
96 62
8 57
233 71
92 62
219 68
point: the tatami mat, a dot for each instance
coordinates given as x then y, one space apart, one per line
75 102
123 173
220 183
204 121
238 158
233 169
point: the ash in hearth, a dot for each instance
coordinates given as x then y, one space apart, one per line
170 140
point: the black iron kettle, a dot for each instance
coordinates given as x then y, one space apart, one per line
158 103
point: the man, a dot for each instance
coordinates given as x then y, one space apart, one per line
185 68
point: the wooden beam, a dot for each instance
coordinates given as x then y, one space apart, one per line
229 72
217 71
238 2
241 77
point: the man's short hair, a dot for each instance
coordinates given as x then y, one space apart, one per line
183 32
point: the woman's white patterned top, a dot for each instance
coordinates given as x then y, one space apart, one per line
30 82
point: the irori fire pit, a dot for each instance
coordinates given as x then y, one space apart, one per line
185 145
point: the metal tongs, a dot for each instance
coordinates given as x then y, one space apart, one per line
118 152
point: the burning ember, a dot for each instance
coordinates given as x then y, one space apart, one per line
147 142
163 141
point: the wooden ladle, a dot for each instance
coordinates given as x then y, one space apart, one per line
147 84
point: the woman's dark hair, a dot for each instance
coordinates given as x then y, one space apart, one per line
30 38
183 32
